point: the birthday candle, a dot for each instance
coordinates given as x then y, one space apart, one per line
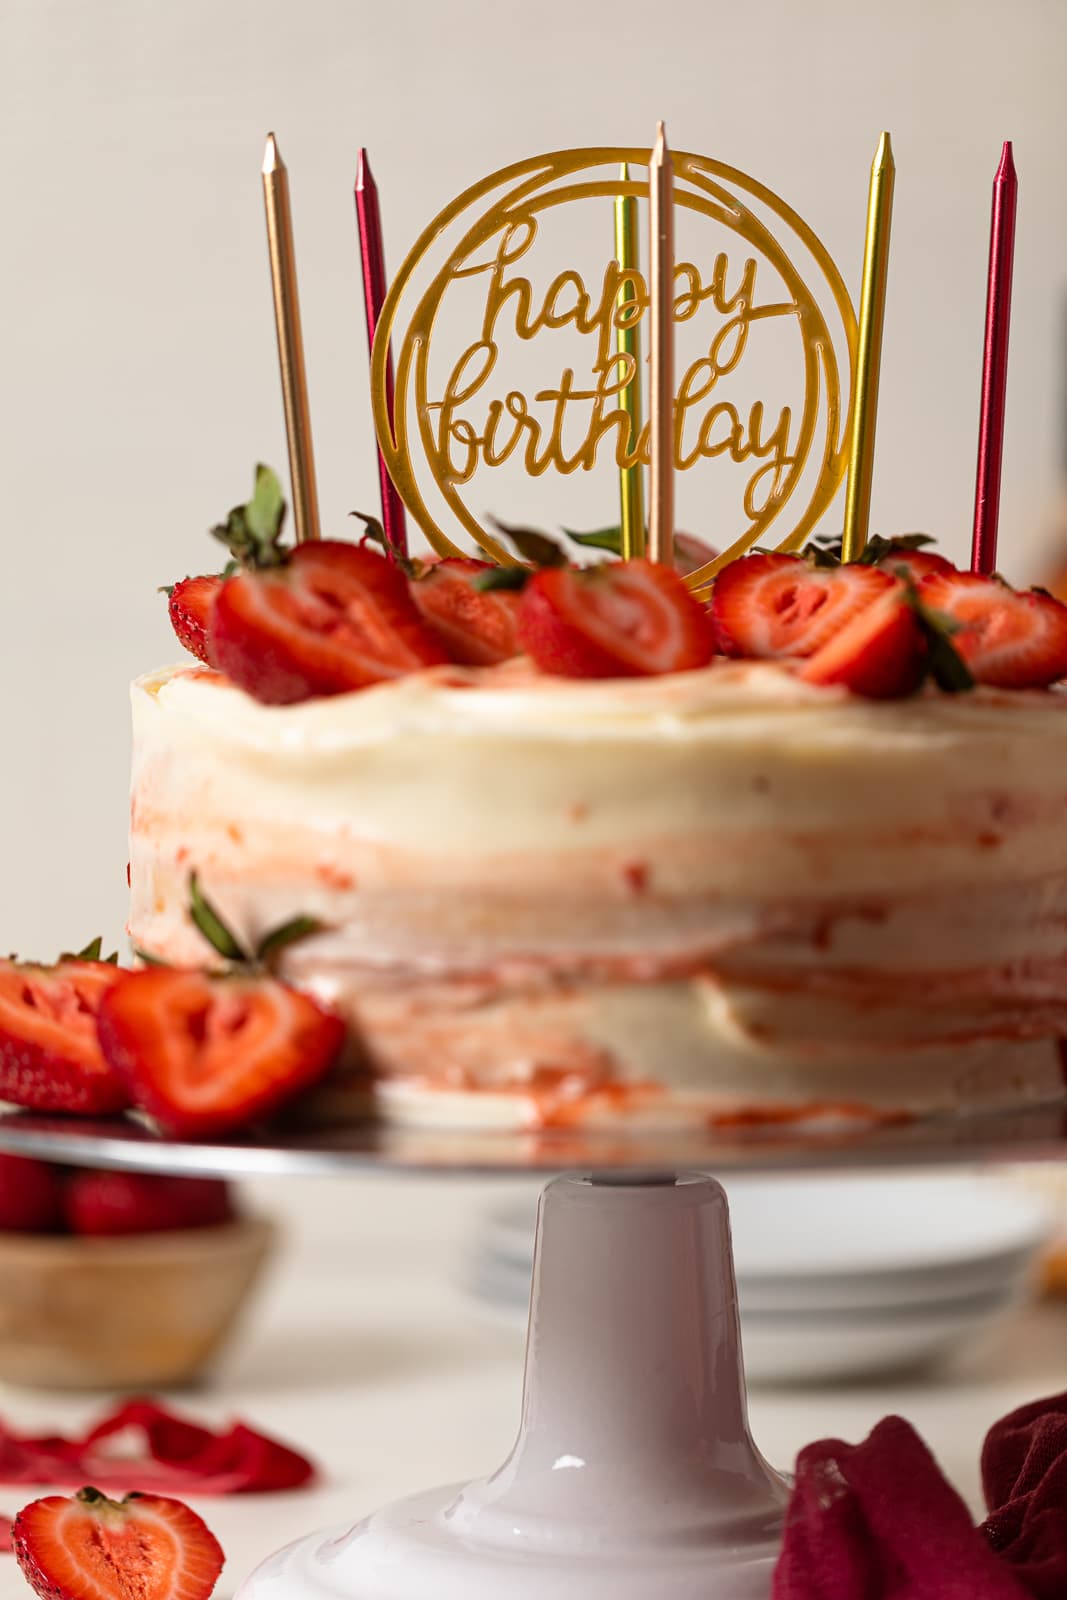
628 343
290 342
869 352
995 365
661 352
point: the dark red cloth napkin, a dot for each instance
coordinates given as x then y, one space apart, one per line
1024 1478
141 1445
878 1521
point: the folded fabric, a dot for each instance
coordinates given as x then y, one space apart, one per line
878 1521
142 1446
1024 1478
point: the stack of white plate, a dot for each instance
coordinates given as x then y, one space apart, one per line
840 1277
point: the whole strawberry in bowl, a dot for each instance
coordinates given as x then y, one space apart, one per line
119 1279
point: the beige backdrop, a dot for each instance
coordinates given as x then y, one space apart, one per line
137 368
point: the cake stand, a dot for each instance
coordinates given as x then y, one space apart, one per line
634 1473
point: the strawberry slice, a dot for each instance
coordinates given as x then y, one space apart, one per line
50 1059
88 1547
879 653
475 626
1015 639
205 1053
190 608
778 605
333 617
620 619
110 1203
31 1196
914 564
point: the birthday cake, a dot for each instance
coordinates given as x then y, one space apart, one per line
606 873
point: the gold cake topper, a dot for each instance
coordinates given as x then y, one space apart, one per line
455 413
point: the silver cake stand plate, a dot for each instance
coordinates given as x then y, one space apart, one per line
634 1474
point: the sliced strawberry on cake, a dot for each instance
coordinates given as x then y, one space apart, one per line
477 626
331 618
87 1547
773 606
50 1057
880 652
619 619
190 606
208 1052
1014 639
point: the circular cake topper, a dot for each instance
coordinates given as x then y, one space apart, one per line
482 306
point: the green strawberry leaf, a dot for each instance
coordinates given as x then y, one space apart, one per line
502 578
375 532
535 547
609 539
93 952
252 532
211 925
278 939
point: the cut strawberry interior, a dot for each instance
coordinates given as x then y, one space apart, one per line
50 1058
335 617
1010 638
205 1054
770 606
624 618
476 627
145 1547
879 653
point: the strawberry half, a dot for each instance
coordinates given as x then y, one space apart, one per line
880 652
105 1204
477 627
31 1196
331 618
50 1058
206 1053
1007 637
190 608
620 619
88 1547
914 564
769 606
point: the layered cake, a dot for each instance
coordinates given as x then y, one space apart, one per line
793 881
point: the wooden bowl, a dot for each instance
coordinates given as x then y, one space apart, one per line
141 1311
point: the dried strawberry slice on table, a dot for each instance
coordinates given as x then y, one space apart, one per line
1014 639
477 627
331 618
206 1053
50 1058
190 607
619 619
771 606
88 1547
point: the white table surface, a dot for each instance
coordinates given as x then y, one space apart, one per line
363 1351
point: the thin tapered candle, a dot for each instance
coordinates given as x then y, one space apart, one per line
628 343
372 258
995 365
661 350
869 352
290 343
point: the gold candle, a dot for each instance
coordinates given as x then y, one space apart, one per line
290 343
869 352
661 350
628 343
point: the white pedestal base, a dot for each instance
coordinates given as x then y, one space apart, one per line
634 1476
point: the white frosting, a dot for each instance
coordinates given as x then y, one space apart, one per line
726 880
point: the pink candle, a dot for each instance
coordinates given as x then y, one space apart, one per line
995 366
374 289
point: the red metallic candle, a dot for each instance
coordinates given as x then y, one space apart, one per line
373 259
995 366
